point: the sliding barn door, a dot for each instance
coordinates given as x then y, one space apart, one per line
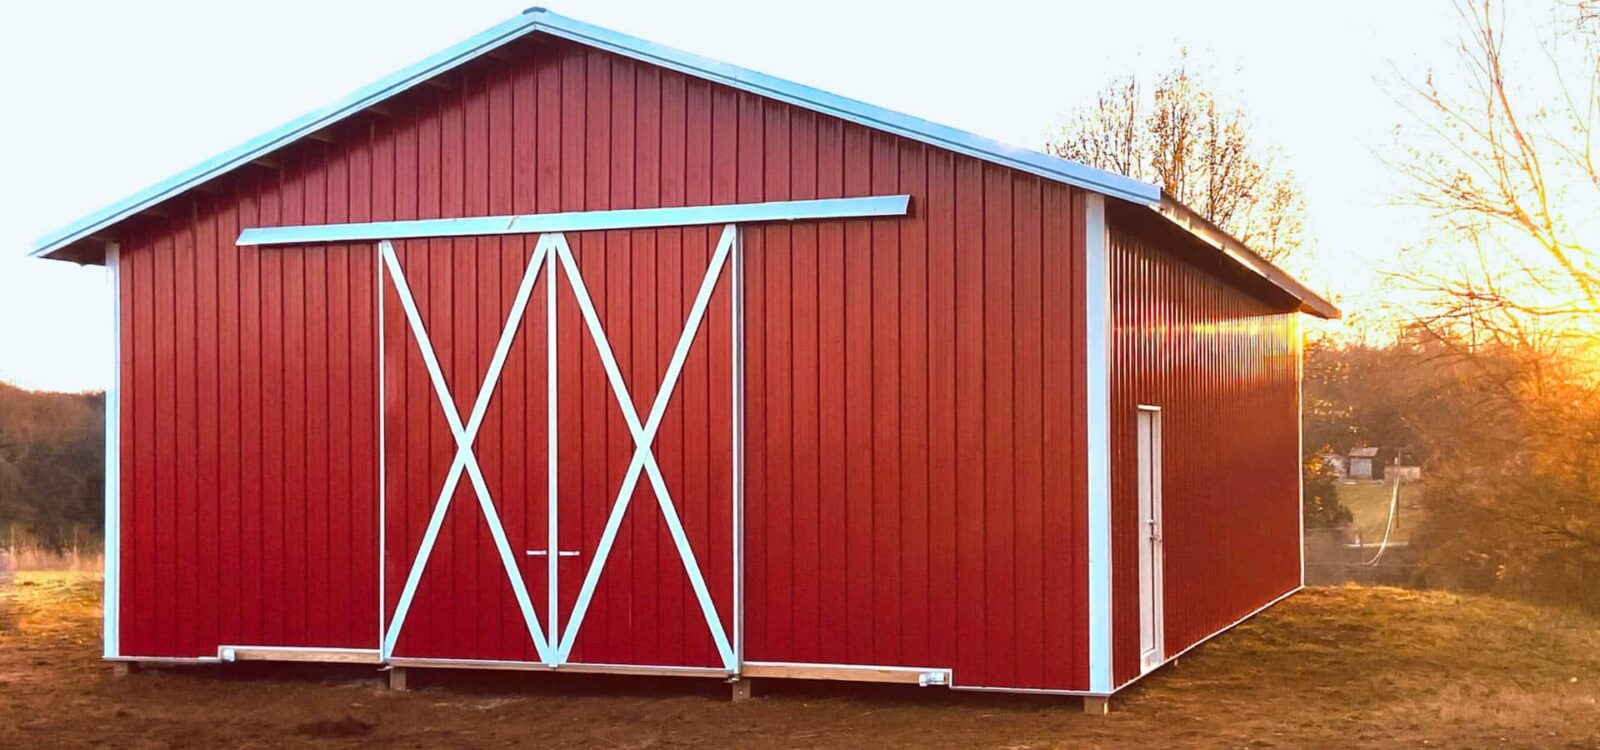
465 448
559 448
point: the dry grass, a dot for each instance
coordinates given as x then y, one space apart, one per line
1331 667
43 561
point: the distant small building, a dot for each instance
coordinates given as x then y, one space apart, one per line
1367 463
1405 473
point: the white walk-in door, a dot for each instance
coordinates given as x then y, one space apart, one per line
1151 650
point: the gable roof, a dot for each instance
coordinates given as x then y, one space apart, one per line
539 20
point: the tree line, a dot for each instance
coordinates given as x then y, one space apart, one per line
52 469
1508 436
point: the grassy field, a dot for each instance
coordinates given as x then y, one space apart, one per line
1369 504
1330 667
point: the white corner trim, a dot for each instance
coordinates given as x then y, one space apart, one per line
1300 435
111 547
1097 318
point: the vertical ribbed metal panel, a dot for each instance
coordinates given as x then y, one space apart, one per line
1221 364
250 472
913 492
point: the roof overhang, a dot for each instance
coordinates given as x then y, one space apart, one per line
84 240
64 240
1197 225
60 243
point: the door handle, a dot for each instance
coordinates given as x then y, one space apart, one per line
559 553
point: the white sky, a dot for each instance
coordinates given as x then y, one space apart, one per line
109 97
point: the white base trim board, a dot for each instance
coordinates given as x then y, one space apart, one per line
846 673
299 654
524 666
157 661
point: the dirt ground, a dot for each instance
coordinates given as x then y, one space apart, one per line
1331 667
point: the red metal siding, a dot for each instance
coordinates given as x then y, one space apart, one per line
249 471
1223 366
914 402
909 384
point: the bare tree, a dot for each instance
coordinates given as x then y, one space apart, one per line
1197 149
1505 161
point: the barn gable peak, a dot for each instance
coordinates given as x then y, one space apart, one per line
80 240
84 240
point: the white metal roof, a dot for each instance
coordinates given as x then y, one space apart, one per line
540 20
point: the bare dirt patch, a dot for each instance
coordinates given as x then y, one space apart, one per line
1331 667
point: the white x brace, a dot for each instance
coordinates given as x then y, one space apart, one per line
555 647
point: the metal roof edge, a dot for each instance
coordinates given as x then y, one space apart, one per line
861 113
255 148
539 19
1191 221
852 110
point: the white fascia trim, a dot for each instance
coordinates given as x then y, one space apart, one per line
540 20
583 221
111 547
1205 231
1097 317
381 90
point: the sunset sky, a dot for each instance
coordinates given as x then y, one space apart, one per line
108 97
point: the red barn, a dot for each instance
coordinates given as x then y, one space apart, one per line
565 350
